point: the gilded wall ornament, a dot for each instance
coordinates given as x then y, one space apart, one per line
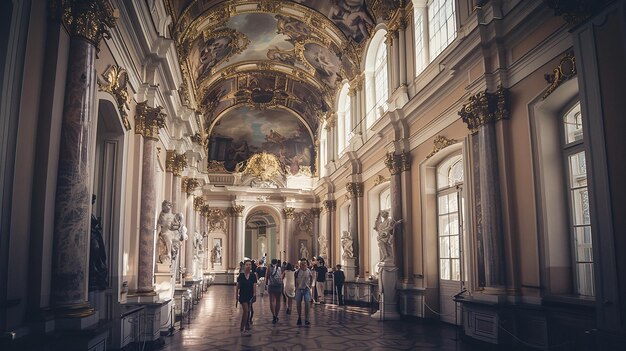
263 166
289 212
485 107
440 143
88 19
217 219
383 10
198 202
148 120
190 185
355 189
380 179
405 161
114 81
329 205
216 167
175 163
563 72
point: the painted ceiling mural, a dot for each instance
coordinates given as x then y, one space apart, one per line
271 55
244 131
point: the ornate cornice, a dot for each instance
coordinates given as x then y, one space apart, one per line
198 202
329 205
564 71
440 143
114 82
355 189
485 107
190 185
148 120
393 163
88 19
237 210
175 163
289 212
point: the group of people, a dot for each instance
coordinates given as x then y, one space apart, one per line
284 281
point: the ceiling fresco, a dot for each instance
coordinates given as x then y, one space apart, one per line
241 58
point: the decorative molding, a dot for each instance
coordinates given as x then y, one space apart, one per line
486 107
564 71
355 189
114 81
216 167
88 19
289 212
197 139
329 205
148 120
380 179
440 143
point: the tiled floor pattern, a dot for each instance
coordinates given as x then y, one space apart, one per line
215 326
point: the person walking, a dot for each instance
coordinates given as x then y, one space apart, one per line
245 292
339 278
289 285
274 281
320 279
304 281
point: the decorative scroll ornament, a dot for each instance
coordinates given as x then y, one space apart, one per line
263 166
216 167
379 180
190 185
114 81
237 210
355 189
218 220
393 163
198 202
563 72
383 10
148 120
485 107
289 212
175 163
329 205
88 19
440 143
303 221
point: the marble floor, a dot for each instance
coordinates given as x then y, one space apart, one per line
215 326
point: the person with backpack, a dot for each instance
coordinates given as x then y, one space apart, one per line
274 281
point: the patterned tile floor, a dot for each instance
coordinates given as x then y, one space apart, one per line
215 326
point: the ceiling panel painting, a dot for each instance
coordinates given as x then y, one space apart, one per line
351 16
244 131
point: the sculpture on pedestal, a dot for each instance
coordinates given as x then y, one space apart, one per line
98 269
385 228
216 253
170 229
178 238
304 252
346 244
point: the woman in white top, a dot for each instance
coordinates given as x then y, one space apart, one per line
290 286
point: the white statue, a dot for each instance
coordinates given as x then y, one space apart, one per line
322 244
385 228
216 253
168 226
304 252
178 237
346 243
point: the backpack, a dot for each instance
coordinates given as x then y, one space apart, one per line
274 279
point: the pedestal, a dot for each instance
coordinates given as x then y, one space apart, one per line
349 268
387 282
164 286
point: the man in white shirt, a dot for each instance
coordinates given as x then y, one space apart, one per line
304 281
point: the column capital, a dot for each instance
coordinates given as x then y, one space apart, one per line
175 163
88 19
237 210
355 189
394 163
405 161
485 107
198 202
114 81
289 212
315 211
329 205
189 185
148 120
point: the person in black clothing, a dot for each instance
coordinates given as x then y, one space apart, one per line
339 277
320 279
246 291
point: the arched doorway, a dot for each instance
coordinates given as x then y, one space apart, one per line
262 234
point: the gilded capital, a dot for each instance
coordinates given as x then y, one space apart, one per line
485 107
315 211
289 212
355 189
88 19
394 163
237 210
329 205
405 161
148 120
114 81
198 202
190 185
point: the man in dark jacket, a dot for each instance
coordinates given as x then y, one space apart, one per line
339 278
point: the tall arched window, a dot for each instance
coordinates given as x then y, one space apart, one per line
376 79
323 154
344 119
435 28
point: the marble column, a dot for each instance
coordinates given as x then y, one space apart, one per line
290 250
176 164
355 191
406 183
148 120
329 207
239 233
317 245
87 22
402 79
393 163
481 114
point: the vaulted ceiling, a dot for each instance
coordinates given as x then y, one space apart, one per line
270 55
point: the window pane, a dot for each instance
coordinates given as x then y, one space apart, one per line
443 205
441 25
444 247
580 206
584 275
454 246
453 202
453 219
444 226
578 169
444 269
584 248
573 124
419 44
455 269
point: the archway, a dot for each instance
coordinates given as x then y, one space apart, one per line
262 234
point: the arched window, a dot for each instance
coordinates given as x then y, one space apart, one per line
435 28
323 154
376 78
578 196
344 119
450 217
385 199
